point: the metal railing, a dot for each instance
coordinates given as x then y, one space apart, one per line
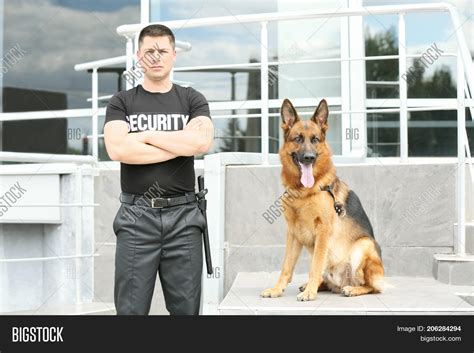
465 84
45 157
465 73
130 32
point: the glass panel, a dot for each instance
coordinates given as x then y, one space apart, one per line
55 35
52 36
434 133
431 133
240 43
383 135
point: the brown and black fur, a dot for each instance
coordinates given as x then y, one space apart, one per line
345 257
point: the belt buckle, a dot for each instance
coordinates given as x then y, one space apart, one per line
158 199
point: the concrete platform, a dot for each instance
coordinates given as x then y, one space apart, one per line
93 308
404 296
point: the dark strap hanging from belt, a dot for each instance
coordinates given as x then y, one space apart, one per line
337 205
202 203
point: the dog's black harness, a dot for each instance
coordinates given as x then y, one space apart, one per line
337 205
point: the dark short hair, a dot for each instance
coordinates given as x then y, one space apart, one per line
156 31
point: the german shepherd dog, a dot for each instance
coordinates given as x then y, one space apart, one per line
324 215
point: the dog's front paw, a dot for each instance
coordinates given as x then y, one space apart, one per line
348 291
303 287
271 293
306 296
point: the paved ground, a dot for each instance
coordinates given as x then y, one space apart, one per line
404 296
79 309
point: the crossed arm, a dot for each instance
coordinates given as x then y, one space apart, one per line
149 147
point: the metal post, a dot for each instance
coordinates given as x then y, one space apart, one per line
357 85
233 124
144 11
78 236
463 49
95 114
264 90
345 86
214 179
461 167
402 84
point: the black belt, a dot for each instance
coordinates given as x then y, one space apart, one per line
158 202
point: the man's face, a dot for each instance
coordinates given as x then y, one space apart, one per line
156 56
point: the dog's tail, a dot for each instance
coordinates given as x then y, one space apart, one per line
381 284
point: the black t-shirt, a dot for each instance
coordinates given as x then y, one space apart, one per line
143 110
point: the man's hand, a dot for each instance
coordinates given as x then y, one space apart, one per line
196 137
131 148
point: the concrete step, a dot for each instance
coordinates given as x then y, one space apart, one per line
467 297
93 308
469 236
454 269
403 296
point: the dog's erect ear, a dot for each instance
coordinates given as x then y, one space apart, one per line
320 115
288 113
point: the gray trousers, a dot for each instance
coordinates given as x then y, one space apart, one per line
167 241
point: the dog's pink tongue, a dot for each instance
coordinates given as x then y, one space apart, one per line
307 178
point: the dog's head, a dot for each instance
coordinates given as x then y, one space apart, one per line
305 150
